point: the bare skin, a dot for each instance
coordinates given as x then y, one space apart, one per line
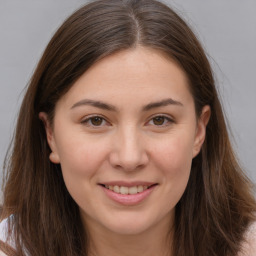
105 244
128 121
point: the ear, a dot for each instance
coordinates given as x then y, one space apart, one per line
54 157
201 129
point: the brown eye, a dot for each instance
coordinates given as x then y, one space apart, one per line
96 121
159 120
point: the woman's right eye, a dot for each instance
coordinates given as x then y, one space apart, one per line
95 121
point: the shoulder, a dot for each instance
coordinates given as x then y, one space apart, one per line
5 241
3 235
3 230
249 245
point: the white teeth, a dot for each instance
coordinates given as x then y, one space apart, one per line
127 190
124 190
140 189
116 189
133 190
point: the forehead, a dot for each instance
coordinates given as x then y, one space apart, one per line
136 74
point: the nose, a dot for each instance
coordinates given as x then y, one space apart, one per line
128 150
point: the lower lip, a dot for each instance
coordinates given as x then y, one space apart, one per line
128 199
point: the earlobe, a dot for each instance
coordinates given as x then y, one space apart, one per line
54 157
201 129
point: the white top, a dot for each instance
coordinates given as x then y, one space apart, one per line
3 227
248 247
3 235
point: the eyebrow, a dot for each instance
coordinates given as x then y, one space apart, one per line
94 103
162 103
105 106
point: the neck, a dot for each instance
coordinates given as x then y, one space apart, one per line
155 241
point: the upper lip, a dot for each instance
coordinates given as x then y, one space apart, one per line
128 184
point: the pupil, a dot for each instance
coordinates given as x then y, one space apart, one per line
158 120
96 121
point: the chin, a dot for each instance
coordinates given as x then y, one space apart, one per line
131 225
128 228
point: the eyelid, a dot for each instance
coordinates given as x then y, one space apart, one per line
167 117
86 119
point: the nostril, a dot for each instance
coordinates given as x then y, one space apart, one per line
128 157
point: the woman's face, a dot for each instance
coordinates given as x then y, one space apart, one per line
125 135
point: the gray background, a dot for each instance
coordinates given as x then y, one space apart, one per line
226 28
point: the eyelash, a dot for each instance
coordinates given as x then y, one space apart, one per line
167 120
88 121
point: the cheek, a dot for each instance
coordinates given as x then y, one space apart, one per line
173 159
81 163
81 157
175 152
175 165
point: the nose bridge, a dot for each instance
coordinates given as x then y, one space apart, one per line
129 151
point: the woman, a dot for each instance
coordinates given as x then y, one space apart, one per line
121 146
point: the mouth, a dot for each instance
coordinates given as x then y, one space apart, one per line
128 190
128 193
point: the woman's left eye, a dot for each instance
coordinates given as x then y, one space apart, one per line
95 121
160 121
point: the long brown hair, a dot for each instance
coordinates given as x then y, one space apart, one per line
217 206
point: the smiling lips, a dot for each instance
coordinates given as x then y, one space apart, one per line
127 190
128 195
